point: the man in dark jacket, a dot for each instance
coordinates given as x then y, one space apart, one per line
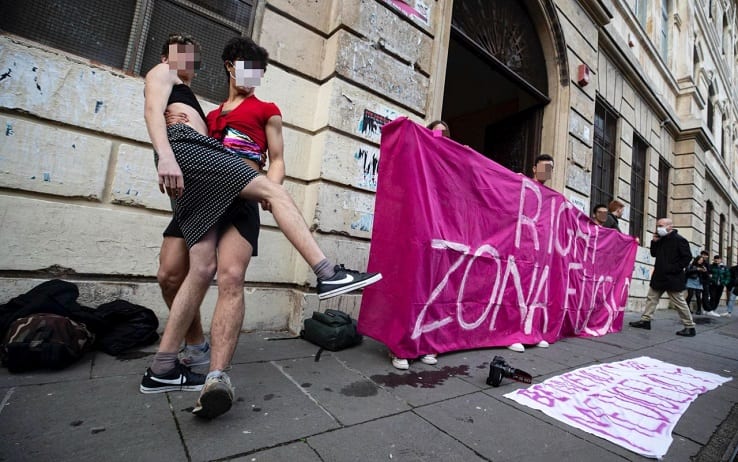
672 255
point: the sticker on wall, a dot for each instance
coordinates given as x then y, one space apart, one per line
580 203
364 223
367 159
371 122
417 10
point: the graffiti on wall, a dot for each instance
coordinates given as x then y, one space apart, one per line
367 158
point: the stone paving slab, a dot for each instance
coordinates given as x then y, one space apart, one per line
422 384
270 409
348 395
404 437
263 346
86 420
299 452
77 371
499 431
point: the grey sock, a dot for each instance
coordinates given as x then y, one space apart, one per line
163 362
198 346
324 269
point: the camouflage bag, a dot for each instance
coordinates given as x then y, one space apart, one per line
44 341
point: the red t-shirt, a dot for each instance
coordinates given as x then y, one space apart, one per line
243 129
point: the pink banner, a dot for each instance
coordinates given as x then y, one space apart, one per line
474 255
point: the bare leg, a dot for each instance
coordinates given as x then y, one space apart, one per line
234 255
287 215
189 297
173 266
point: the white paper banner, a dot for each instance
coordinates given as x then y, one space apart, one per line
634 403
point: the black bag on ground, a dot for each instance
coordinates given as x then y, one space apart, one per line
127 326
44 341
333 330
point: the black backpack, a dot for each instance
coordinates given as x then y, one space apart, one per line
333 330
127 325
44 341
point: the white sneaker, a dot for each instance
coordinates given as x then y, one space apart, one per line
429 359
726 315
517 347
542 344
713 314
400 363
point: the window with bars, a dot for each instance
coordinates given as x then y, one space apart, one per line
662 190
641 10
708 226
665 29
129 34
721 236
638 177
603 155
710 106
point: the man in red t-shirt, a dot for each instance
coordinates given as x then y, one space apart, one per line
252 129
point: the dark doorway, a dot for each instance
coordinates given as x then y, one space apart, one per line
496 84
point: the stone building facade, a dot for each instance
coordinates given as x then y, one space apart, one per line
635 100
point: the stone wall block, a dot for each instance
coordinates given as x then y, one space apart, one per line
580 128
59 87
345 211
38 234
316 13
582 103
298 161
387 30
580 154
136 180
292 45
350 162
578 179
52 160
359 60
358 112
578 19
298 104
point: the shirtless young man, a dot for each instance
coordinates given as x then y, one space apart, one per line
205 177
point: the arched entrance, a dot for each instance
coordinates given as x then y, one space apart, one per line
496 83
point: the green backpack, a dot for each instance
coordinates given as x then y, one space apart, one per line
333 330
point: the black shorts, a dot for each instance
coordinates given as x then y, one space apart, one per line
244 215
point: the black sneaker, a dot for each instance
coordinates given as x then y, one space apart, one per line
345 280
181 378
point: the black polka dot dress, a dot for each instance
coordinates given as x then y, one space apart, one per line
213 178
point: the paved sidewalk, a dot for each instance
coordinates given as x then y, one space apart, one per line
354 406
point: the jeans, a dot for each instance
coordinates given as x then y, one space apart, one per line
731 301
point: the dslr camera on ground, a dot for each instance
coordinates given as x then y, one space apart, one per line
499 368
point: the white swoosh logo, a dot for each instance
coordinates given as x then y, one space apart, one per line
177 381
347 278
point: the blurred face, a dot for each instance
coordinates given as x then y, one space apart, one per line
543 170
619 212
441 128
183 58
700 260
245 75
